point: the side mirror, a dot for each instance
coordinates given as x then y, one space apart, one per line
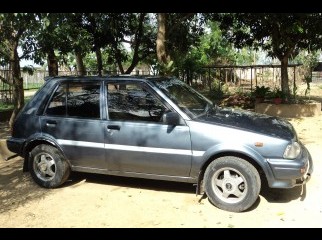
171 118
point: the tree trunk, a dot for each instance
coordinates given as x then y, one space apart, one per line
80 67
118 57
52 63
99 61
284 76
18 92
161 39
137 43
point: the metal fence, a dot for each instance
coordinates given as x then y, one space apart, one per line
248 77
33 81
37 79
245 77
5 89
317 77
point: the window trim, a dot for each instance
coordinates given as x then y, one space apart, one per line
143 85
68 82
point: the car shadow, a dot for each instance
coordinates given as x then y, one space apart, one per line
270 194
274 195
16 187
278 195
139 183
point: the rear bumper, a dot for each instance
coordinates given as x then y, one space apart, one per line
16 145
290 173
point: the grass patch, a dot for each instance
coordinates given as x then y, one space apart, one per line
30 86
9 106
5 106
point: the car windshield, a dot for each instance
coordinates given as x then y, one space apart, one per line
189 100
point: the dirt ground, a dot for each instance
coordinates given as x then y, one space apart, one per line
92 200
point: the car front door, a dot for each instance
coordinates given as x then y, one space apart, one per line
72 118
137 140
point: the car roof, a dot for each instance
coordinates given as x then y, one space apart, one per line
109 77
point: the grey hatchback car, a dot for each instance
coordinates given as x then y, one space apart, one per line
156 128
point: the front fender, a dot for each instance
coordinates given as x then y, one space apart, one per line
226 149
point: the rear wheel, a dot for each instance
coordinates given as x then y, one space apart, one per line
48 166
232 184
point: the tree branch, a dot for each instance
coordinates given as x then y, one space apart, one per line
180 20
4 80
26 53
127 41
137 42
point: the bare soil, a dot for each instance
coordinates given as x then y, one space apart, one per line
92 200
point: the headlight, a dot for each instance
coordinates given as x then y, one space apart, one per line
292 151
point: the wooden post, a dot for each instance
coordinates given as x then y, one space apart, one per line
251 79
255 77
274 76
209 83
294 83
226 76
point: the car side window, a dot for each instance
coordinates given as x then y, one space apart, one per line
57 105
76 100
133 102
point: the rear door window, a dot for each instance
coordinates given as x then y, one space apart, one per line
76 100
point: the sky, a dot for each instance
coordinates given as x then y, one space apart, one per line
24 62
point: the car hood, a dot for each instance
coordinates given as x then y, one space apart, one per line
251 121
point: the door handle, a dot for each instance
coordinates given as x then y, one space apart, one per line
51 123
113 127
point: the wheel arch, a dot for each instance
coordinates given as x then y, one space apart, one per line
250 159
35 142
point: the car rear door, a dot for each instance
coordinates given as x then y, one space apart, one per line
137 141
73 119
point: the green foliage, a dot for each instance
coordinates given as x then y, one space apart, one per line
211 49
309 59
245 56
18 26
165 69
216 84
261 91
214 48
225 89
278 34
184 31
5 106
89 33
29 69
218 90
282 36
138 29
277 93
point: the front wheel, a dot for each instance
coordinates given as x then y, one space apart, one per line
232 184
48 166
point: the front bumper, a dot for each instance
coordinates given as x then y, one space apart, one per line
290 173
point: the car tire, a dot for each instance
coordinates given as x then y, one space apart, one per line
232 183
48 166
